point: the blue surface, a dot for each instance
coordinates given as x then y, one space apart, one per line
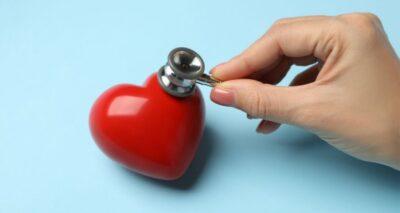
56 57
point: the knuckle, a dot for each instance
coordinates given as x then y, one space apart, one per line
281 21
247 64
362 18
372 17
277 25
264 105
257 105
365 25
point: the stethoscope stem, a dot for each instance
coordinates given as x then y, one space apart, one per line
207 80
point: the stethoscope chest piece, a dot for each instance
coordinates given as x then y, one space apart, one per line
184 68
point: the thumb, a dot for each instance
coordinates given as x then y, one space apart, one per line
265 101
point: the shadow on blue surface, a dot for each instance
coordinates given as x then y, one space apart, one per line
195 170
314 156
310 150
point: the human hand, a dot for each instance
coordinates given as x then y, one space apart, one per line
349 97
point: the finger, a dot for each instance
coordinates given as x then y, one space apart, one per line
307 76
293 39
304 61
275 75
267 127
273 103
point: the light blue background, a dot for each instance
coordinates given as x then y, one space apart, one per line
56 57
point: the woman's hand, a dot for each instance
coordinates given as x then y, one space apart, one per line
349 97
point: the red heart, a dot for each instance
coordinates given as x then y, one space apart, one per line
147 130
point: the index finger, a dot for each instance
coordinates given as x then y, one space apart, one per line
295 39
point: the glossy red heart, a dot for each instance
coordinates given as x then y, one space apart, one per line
147 130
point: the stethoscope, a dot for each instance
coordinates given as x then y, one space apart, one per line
183 70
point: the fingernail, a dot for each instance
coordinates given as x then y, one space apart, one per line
222 96
212 71
262 129
266 127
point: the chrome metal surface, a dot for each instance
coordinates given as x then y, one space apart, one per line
183 70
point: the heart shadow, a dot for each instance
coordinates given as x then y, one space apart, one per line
195 170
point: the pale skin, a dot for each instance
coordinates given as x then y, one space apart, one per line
349 97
